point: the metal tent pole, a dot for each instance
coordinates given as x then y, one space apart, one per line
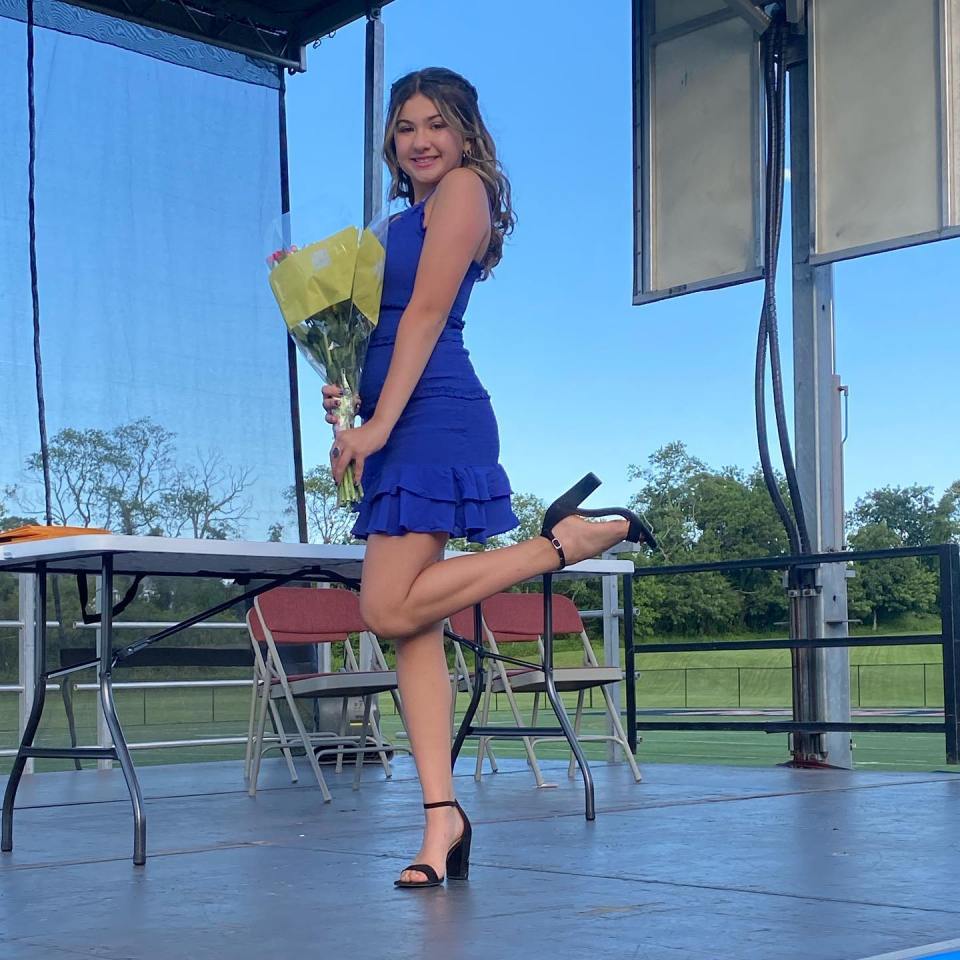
822 676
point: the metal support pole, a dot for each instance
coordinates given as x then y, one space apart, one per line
610 587
629 662
373 118
950 625
822 676
292 379
103 730
28 641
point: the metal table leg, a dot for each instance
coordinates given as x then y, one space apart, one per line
467 729
110 713
39 693
478 685
557 704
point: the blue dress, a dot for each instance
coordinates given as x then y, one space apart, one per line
439 471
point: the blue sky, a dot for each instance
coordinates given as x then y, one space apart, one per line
580 378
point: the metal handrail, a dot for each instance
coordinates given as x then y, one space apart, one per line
948 556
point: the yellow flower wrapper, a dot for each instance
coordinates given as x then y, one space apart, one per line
329 294
368 278
316 277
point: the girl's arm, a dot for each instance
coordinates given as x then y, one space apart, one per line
458 223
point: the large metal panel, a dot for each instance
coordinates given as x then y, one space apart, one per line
884 113
951 85
674 13
698 174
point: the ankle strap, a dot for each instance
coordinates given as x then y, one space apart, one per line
440 803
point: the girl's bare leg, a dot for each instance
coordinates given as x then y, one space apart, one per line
407 591
409 598
425 691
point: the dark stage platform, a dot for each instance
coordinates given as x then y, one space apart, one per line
696 863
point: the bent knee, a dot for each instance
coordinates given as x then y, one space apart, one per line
385 619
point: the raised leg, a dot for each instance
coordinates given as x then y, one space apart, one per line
407 600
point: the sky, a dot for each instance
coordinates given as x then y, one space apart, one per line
580 378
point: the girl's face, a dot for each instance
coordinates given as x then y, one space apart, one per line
427 148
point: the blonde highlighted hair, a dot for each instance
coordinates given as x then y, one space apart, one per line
457 102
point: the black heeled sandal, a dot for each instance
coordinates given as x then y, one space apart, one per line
569 503
458 856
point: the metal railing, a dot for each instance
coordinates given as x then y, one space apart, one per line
948 558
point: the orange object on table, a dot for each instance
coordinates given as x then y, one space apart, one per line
36 531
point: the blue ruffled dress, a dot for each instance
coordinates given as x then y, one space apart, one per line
439 471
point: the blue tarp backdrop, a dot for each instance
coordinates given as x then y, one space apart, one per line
164 357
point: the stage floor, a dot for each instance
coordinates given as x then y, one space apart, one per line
695 863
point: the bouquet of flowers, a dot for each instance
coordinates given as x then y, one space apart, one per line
329 294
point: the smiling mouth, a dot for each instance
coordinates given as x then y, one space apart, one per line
424 161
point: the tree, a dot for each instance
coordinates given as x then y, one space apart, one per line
127 480
667 500
946 524
10 520
529 510
206 501
883 589
115 479
909 512
326 521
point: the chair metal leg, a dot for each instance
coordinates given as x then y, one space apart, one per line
518 719
343 734
307 745
362 744
281 733
67 686
258 745
378 740
478 685
590 809
484 720
251 726
620 736
460 666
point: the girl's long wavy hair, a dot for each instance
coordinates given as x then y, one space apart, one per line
456 101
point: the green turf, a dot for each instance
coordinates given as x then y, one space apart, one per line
194 713
907 676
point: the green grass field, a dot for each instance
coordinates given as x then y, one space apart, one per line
880 678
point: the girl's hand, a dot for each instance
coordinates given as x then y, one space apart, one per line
331 399
351 448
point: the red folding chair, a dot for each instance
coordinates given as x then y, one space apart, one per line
289 617
518 618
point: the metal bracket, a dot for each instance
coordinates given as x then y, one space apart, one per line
753 15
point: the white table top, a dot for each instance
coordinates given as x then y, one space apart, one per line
224 559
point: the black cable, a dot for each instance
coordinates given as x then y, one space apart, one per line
34 287
774 42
